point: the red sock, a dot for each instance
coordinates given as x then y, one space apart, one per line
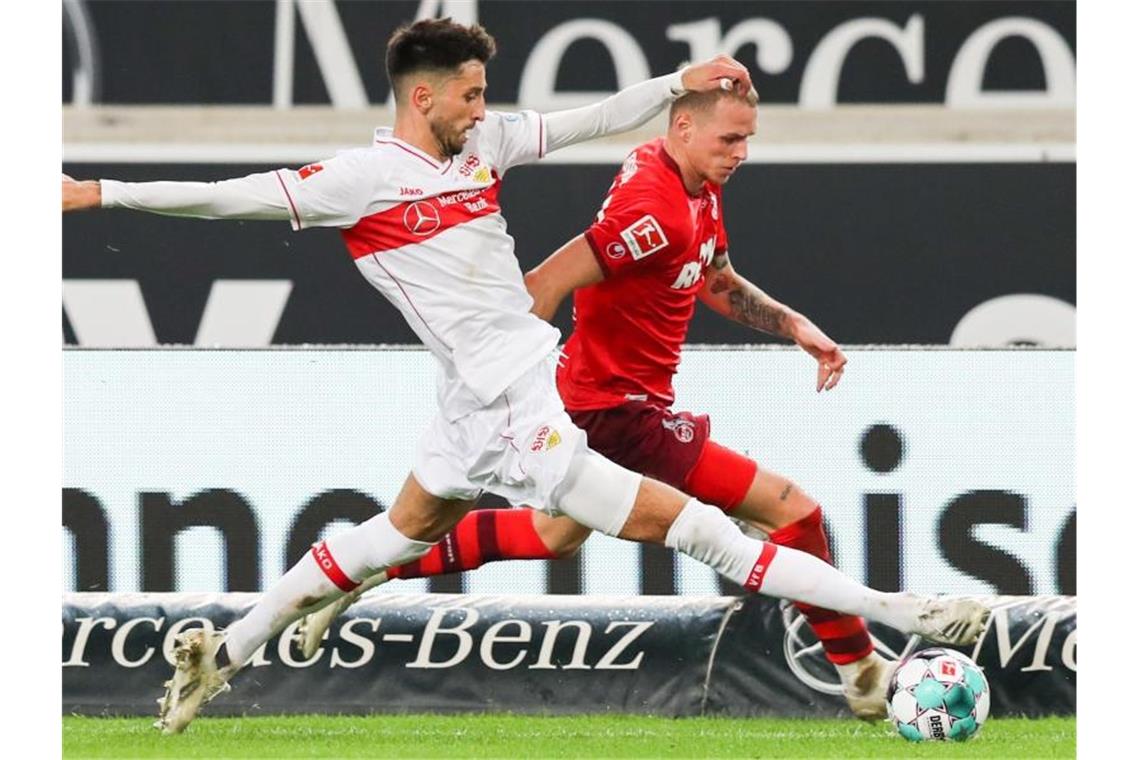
482 536
844 637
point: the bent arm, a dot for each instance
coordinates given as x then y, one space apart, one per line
571 267
620 112
639 103
733 296
729 294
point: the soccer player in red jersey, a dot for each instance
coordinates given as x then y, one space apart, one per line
657 246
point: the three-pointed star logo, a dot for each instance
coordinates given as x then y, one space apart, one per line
421 218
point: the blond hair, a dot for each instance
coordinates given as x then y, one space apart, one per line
704 102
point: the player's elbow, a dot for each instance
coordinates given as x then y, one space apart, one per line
541 291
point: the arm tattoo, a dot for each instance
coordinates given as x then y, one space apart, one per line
753 309
720 284
720 261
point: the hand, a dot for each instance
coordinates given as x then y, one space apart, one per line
823 349
81 195
699 77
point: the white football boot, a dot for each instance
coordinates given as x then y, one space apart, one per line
865 685
948 620
197 679
311 629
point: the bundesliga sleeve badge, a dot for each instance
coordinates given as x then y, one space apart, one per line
644 237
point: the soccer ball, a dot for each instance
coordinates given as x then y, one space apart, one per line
938 694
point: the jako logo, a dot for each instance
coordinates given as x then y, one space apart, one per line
411 191
324 559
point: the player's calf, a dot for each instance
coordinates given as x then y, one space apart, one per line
482 536
706 534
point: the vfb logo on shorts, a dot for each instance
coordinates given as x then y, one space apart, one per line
545 438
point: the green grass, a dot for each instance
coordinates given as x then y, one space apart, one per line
520 736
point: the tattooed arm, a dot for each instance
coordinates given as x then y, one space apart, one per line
732 296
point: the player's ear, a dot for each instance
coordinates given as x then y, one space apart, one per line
421 97
683 124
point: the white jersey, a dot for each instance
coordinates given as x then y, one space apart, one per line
429 235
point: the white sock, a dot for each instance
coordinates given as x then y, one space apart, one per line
707 535
303 588
373 546
334 567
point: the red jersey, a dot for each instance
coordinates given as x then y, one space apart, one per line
655 243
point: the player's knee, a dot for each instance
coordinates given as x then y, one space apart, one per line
699 530
597 493
799 504
774 502
796 505
707 535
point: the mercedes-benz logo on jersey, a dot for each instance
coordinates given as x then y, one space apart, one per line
421 218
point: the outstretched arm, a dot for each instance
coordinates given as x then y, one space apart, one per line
639 103
258 196
332 193
733 296
571 267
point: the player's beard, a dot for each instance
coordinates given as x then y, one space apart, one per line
450 141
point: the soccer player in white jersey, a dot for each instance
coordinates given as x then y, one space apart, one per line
419 213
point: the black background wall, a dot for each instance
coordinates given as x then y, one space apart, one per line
874 253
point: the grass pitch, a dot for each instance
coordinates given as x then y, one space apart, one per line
518 736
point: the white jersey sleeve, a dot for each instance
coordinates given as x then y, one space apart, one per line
256 196
620 112
510 139
330 193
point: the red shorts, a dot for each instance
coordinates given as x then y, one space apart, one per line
646 438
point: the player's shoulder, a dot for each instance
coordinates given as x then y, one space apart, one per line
499 122
645 174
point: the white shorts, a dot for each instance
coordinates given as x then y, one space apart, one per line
519 446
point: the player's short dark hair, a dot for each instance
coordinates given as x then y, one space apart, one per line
435 44
703 102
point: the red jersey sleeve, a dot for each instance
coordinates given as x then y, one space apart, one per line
632 225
